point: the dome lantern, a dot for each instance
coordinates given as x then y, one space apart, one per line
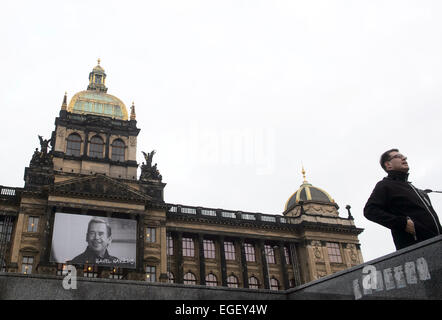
97 78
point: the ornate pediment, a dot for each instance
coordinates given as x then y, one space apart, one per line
99 186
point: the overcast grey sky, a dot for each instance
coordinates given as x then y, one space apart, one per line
236 95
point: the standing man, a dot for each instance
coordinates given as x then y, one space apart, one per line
396 204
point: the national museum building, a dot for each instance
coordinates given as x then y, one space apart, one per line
85 203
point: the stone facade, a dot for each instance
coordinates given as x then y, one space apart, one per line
220 247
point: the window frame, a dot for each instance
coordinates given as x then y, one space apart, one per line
188 245
94 150
70 151
169 245
232 284
269 252
121 148
274 284
188 281
27 263
170 277
90 271
229 250
151 234
33 224
151 273
211 280
209 249
254 284
334 252
250 252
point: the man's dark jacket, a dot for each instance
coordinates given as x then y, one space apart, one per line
393 200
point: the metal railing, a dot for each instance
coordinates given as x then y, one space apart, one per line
220 213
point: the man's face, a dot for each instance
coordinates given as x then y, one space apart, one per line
397 162
97 238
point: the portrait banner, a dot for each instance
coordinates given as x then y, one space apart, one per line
92 240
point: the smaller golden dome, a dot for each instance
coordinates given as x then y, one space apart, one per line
307 192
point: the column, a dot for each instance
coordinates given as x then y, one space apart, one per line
86 142
201 259
295 263
163 248
265 266
107 146
179 257
245 275
140 244
47 235
223 262
284 272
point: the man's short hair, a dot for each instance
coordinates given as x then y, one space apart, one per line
98 220
386 157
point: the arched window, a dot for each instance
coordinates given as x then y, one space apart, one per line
211 280
232 281
189 278
171 277
118 150
274 284
253 283
96 147
73 145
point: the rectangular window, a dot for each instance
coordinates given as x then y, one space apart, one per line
62 269
6 224
151 234
250 252
226 214
26 265
90 271
209 249
151 275
207 212
270 254
268 219
248 216
116 273
334 252
33 224
188 247
169 245
229 249
188 210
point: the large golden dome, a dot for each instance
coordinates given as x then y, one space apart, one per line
95 100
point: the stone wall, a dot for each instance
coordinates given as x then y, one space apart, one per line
411 273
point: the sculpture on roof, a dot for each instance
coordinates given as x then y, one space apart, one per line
149 172
42 157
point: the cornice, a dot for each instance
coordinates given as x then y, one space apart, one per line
244 224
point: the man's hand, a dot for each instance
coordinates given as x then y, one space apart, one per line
410 227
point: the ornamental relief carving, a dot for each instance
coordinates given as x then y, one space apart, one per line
132 141
320 273
61 132
353 252
317 249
